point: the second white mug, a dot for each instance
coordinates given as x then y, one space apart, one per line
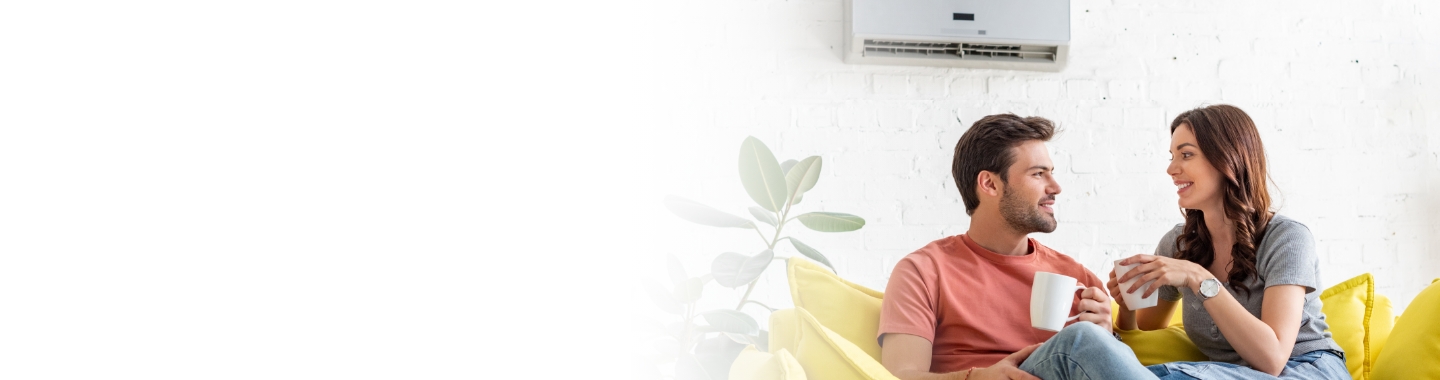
1134 301
1051 295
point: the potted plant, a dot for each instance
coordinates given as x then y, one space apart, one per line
703 344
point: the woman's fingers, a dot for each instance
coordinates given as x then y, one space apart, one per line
1140 258
1150 289
1148 277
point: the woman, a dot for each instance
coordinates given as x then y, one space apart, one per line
1249 277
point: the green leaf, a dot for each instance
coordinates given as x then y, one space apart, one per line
731 321
702 214
785 166
763 216
733 269
761 175
715 355
677 271
802 177
831 221
663 298
810 252
689 291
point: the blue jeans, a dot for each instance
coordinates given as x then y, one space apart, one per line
1085 351
1312 365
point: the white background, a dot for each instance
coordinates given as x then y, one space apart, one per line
314 189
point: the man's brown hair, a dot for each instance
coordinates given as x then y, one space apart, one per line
986 147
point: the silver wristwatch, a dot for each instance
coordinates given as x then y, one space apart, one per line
1209 289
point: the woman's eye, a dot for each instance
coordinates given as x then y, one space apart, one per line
1186 155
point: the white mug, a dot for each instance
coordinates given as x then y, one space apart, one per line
1050 298
1135 301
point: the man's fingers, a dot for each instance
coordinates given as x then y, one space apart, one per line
1099 294
1017 374
1019 356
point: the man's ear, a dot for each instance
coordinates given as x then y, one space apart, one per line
988 183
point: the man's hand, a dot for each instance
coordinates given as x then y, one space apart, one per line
1095 307
1009 367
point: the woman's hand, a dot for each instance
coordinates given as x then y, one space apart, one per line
1163 271
1124 317
1114 286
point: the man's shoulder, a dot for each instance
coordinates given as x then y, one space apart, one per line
1060 260
940 247
1052 255
940 250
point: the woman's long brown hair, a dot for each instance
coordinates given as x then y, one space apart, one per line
1231 144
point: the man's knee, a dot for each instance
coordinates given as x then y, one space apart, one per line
1081 332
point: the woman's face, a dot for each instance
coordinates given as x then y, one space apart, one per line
1197 182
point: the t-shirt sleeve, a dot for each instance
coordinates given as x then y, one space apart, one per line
1286 256
907 307
1166 248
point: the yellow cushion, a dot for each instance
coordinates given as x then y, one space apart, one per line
784 330
824 354
1169 344
848 309
1175 317
1415 341
1349 308
755 365
1382 321
1165 345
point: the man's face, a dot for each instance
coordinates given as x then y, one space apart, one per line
1029 194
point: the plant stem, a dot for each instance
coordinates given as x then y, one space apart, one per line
757 232
747 294
689 323
774 239
767 307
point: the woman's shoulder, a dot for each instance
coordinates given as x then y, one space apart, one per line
1166 247
1282 227
1285 237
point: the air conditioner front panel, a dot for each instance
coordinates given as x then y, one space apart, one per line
1041 20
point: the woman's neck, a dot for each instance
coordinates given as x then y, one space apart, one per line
1222 235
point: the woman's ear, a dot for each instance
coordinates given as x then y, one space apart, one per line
988 183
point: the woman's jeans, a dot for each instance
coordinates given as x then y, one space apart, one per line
1312 365
1086 351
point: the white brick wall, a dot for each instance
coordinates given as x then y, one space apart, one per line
1343 92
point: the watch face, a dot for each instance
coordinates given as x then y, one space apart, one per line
1210 288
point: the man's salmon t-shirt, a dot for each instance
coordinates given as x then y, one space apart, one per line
972 304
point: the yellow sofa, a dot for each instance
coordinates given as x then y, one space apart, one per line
830 332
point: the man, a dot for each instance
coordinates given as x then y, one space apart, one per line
959 307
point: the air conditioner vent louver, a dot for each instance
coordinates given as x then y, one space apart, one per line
961 51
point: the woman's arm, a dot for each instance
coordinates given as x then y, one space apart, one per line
1155 318
1265 342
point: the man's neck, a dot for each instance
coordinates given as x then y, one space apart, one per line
992 233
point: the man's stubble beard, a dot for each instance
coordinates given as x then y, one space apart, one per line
1024 216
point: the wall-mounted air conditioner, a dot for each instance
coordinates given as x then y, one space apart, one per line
994 34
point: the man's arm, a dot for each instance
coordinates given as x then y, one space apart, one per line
908 358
